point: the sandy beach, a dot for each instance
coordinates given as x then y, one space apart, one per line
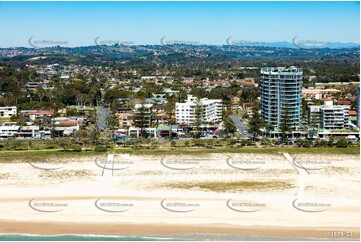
303 195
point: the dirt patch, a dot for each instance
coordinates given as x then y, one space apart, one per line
66 174
4 176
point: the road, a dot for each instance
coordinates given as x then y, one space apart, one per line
102 117
240 126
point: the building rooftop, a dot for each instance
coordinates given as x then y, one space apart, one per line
283 70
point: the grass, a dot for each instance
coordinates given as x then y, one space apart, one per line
26 156
5 119
237 186
271 150
10 155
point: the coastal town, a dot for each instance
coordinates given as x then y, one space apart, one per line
107 108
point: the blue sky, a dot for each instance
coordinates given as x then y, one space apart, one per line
79 23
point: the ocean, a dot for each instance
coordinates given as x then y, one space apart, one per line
185 237
77 238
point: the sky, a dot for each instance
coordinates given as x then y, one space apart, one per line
89 23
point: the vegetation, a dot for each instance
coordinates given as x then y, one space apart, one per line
256 122
237 186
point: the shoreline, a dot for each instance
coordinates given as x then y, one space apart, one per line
48 228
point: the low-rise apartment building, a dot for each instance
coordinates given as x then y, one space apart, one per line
7 112
143 115
10 130
210 110
329 116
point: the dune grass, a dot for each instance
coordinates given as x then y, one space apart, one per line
10 155
236 186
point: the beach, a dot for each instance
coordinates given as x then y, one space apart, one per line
311 196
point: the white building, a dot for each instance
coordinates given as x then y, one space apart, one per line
11 130
211 110
8 129
7 112
329 116
170 91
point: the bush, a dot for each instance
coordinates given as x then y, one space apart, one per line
14 145
342 143
50 144
231 142
307 143
187 143
218 143
153 145
209 143
76 148
64 143
199 142
303 143
266 141
173 143
323 143
100 148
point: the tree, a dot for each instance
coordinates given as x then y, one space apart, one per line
256 122
198 112
113 121
304 109
284 125
93 135
81 136
169 110
228 123
142 118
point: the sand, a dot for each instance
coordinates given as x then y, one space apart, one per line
303 195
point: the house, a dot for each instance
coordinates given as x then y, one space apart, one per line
344 102
40 113
31 131
246 83
319 94
65 126
159 108
169 91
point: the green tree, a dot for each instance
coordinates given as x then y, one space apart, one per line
169 110
256 122
284 124
142 118
198 113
